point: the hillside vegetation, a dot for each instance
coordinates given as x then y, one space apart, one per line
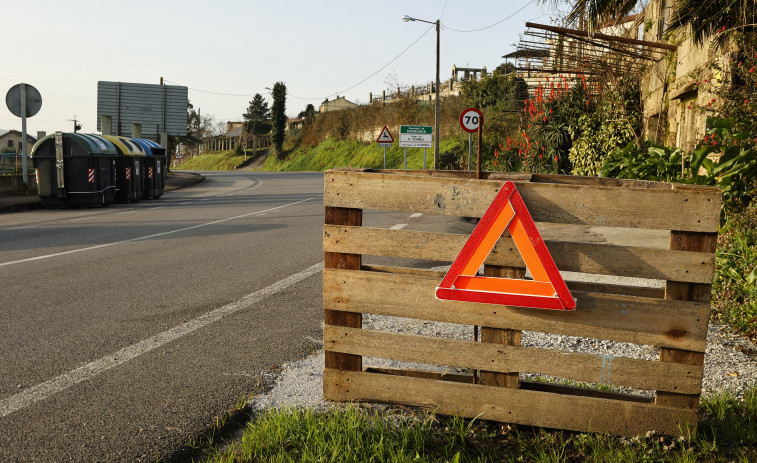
223 160
333 153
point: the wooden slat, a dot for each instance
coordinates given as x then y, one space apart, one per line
501 336
582 392
676 290
510 405
590 368
553 388
694 210
349 261
601 259
587 287
656 322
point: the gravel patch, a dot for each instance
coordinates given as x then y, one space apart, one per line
730 361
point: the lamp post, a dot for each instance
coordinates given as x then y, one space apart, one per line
407 18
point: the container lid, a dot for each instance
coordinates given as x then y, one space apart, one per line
126 146
81 144
150 147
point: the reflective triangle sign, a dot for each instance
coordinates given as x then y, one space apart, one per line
547 289
385 136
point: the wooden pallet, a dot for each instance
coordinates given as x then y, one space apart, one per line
673 319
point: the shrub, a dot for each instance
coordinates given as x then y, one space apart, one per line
726 156
734 291
658 163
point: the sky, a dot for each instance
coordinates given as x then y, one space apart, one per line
225 51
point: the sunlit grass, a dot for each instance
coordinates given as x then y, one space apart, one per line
727 432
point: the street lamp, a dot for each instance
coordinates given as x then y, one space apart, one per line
407 18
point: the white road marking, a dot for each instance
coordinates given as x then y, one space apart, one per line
399 226
416 215
20 228
105 245
60 383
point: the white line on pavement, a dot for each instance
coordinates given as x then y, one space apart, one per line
416 215
399 226
105 245
60 383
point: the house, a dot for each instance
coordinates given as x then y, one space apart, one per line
337 104
10 141
233 136
294 124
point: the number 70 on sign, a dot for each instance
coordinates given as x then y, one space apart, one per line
470 120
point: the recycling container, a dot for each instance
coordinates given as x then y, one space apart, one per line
130 167
75 169
155 167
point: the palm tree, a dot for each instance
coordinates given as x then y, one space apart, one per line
705 17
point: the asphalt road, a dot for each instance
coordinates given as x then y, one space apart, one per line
126 330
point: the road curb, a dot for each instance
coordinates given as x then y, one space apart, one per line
23 203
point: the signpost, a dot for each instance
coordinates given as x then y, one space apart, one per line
471 120
385 141
23 100
416 136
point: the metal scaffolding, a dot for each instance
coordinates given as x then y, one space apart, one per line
545 50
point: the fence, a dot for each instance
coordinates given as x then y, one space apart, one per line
11 163
672 319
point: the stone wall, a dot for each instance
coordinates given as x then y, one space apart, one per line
675 86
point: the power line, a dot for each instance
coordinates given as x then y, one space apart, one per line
327 96
492 25
382 67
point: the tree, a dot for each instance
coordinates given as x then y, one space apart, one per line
499 92
705 18
257 118
309 111
200 125
278 116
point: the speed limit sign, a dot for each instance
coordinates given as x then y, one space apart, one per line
471 119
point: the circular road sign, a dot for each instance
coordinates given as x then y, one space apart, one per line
470 119
33 100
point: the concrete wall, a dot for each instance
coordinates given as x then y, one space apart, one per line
13 185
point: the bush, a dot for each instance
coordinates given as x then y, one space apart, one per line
613 124
734 291
658 163
733 168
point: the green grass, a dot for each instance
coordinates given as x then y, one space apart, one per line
224 160
343 153
727 432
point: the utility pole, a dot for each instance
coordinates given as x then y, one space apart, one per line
436 109
77 126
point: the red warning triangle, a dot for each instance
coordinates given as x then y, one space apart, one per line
547 290
385 136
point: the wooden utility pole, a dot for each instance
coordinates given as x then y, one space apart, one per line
480 143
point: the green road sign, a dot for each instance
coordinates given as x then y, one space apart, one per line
416 136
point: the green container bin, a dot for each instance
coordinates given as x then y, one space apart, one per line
75 169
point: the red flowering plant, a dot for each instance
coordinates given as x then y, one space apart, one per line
548 125
570 123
